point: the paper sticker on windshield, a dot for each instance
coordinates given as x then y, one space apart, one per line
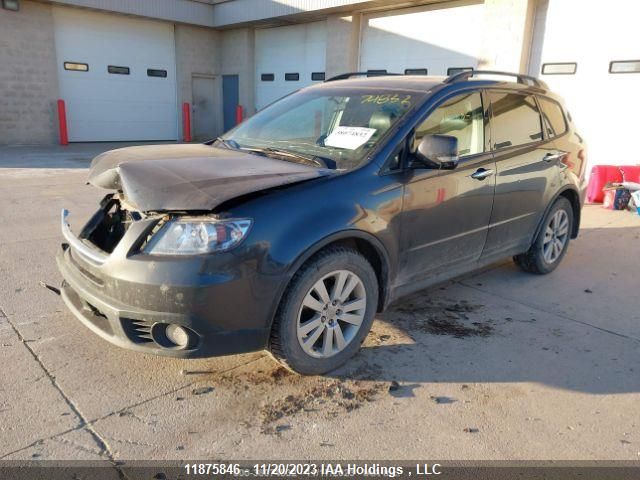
349 137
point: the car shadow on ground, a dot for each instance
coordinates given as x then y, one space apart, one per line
459 334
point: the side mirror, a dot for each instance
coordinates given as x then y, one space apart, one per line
437 151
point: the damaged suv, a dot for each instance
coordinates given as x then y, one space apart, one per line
292 230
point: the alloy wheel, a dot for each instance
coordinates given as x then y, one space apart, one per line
555 236
331 314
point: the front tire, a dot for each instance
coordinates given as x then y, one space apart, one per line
550 246
326 312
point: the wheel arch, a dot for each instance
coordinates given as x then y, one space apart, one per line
571 194
365 243
574 198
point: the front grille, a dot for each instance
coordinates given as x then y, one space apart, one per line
138 331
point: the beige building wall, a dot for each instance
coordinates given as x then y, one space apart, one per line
508 28
28 75
343 44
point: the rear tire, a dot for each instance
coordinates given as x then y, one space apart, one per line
550 246
326 312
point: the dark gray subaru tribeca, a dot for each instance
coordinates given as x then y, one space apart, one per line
292 230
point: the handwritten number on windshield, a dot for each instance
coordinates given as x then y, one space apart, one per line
382 99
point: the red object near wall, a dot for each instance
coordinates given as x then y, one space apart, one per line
600 176
186 122
62 123
239 114
630 173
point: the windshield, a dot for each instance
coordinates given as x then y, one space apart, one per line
332 128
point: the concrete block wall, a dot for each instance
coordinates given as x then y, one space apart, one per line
28 76
197 53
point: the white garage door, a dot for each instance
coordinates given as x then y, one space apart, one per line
573 54
116 75
288 58
436 39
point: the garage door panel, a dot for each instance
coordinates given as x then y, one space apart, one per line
103 106
297 49
602 104
434 38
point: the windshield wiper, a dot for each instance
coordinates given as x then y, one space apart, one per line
231 144
308 160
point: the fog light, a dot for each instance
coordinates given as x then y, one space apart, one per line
177 335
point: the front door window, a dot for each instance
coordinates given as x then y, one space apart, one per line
461 117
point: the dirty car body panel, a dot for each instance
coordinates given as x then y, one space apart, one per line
226 300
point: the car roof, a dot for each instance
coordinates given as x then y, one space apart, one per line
426 83
422 83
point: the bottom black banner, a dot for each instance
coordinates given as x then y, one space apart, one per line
433 469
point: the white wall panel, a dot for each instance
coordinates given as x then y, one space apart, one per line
435 38
603 105
292 49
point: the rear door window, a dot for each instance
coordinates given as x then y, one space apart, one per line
554 121
515 120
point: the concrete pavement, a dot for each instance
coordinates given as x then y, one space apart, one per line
496 365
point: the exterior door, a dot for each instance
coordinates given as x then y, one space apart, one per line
527 172
230 100
446 212
204 112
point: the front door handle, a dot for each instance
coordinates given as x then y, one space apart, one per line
481 174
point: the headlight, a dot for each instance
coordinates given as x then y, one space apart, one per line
191 236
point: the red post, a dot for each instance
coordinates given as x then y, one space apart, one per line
239 114
186 122
62 123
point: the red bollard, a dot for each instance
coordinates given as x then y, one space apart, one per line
239 114
186 122
62 123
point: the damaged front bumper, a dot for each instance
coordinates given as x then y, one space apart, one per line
130 298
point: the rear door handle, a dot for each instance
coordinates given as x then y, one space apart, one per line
552 157
481 174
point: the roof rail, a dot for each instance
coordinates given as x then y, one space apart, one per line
372 73
521 78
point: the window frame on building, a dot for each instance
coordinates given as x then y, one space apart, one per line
157 72
623 62
118 70
555 64
67 66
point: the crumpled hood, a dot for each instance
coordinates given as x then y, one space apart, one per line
191 177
